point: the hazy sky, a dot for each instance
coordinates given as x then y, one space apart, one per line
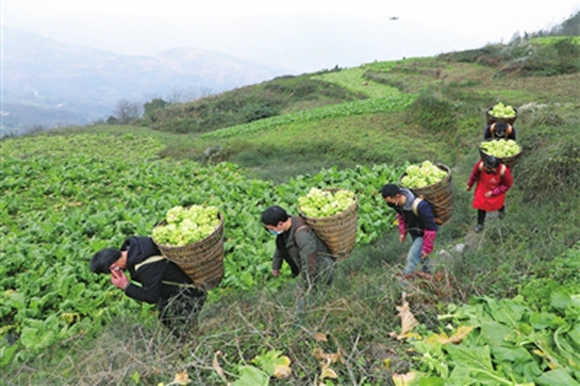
302 36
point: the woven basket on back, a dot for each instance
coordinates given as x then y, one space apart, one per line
439 195
491 119
202 261
338 232
507 161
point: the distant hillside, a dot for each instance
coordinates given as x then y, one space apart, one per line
49 83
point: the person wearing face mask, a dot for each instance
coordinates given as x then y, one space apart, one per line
493 180
299 246
418 222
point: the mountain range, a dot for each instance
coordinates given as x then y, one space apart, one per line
50 84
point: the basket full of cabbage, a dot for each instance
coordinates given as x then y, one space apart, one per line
507 151
192 237
332 214
501 112
431 181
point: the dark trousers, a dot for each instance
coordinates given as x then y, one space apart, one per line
179 312
482 213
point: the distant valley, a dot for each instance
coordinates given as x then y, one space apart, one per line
49 84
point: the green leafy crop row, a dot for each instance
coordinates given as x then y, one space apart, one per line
353 79
366 106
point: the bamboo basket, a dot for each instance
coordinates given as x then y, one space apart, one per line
338 232
439 195
510 161
201 261
492 119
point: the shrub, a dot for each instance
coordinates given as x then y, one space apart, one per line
551 170
253 112
180 126
432 113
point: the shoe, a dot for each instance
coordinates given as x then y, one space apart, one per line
478 228
424 275
501 214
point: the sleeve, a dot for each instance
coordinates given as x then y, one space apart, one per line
306 243
429 225
487 133
150 277
401 224
429 236
506 183
277 260
474 174
126 244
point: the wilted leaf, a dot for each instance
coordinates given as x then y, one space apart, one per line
460 334
181 378
403 379
273 363
329 358
325 361
327 372
282 367
387 363
218 369
442 338
320 337
408 321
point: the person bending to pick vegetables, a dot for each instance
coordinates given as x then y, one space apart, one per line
415 217
162 282
299 246
493 180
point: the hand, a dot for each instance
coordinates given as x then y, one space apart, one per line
424 255
468 188
119 279
488 194
275 272
402 238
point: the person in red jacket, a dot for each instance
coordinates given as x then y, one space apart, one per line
493 180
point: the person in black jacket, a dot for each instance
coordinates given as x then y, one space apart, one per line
162 282
415 217
500 130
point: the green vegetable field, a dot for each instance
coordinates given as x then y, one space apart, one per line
61 208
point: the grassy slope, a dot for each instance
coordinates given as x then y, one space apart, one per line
360 312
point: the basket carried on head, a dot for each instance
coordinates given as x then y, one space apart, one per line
492 119
202 261
439 195
509 161
338 232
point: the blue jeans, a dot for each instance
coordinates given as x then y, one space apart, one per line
414 257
